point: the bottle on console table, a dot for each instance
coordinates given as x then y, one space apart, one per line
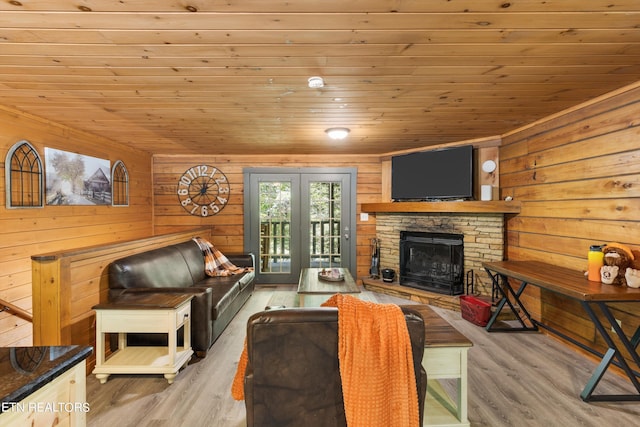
595 261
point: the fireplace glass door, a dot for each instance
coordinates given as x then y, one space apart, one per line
432 261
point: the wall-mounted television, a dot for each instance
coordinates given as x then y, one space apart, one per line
442 174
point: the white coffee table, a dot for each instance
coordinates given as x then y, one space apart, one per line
143 313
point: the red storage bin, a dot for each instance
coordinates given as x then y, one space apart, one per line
475 310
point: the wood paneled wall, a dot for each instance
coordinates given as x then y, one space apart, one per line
67 284
25 232
577 175
228 233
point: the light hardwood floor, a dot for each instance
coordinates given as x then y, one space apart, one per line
517 379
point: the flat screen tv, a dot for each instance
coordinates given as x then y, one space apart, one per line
442 174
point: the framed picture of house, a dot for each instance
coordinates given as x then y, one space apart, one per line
76 179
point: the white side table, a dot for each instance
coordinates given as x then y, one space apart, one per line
445 356
144 313
440 409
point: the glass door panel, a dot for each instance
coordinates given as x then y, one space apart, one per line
274 216
324 219
275 227
325 206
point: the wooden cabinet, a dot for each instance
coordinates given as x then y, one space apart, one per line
60 402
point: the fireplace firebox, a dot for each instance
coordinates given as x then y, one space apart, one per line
432 261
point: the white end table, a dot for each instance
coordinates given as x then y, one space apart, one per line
143 313
445 356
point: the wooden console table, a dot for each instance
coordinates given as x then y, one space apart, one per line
153 313
571 284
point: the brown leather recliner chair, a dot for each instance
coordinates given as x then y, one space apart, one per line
292 377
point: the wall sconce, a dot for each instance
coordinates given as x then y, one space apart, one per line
337 133
489 166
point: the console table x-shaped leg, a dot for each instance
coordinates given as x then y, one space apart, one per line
631 345
511 298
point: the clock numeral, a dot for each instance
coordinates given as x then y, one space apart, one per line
185 202
221 200
221 179
202 170
213 172
183 191
191 173
215 208
223 190
184 180
195 208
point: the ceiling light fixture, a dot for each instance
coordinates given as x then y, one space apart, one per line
316 82
337 133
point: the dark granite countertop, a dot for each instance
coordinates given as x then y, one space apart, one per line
23 370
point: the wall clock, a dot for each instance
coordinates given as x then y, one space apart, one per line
203 190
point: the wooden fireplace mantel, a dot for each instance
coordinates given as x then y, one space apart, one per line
497 206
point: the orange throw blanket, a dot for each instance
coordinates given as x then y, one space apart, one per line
237 387
376 364
215 263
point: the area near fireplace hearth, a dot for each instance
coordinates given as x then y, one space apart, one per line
483 237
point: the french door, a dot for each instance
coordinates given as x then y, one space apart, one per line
298 218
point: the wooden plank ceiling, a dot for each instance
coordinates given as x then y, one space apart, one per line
230 77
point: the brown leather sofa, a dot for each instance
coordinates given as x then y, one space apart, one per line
179 268
292 377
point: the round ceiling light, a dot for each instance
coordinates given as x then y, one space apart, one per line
337 133
316 82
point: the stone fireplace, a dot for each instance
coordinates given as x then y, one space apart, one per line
483 235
